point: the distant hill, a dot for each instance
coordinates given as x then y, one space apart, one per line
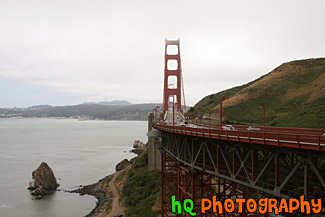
84 111
40 107
115 102
293 95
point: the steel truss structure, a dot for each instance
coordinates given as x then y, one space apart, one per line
186 183
192 165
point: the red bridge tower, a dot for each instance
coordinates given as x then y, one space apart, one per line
172 94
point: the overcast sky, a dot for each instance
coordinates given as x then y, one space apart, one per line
68 52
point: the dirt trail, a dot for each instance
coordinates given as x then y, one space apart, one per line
117 208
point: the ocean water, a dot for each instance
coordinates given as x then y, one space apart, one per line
79 153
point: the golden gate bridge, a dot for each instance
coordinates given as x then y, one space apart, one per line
200 160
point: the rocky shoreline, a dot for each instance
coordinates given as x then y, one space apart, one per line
101 192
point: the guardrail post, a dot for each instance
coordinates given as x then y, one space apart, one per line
233 162
218 158
276 171
298 140
227 134
252 177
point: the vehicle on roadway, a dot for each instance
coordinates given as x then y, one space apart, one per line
228 127
252 128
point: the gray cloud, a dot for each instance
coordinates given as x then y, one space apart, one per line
98 50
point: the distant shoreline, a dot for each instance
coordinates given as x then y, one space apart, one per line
83 112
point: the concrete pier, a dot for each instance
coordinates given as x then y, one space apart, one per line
154 141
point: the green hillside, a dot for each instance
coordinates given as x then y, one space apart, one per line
293 95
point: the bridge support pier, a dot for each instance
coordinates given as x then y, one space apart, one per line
154 142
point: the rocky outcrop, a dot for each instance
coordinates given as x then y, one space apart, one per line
39 191
120 166
138 144
138 147
43 180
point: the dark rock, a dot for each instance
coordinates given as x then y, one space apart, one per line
137 144
133 160
38 197
120 166
43 177
39 191
138 147
137 151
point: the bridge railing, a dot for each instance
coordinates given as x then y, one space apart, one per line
292 140
214 124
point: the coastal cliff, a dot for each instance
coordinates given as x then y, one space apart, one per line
132 191
141 188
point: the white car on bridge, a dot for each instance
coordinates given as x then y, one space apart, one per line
252 128
228 127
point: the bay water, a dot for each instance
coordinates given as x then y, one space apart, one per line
79 153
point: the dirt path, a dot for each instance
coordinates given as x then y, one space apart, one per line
117 208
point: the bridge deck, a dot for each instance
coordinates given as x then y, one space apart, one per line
310 139
308 131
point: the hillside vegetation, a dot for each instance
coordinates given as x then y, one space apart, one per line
293 95
141 189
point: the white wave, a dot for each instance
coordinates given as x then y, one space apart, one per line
2 205
6 156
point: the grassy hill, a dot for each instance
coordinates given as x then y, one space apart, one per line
293 95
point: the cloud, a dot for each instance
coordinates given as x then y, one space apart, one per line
97 50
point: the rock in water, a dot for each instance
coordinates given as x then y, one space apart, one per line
43 177
138 147
39 191
32 185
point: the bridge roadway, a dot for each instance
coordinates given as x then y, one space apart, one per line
273 160
311 139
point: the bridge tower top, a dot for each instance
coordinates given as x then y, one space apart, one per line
173 73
